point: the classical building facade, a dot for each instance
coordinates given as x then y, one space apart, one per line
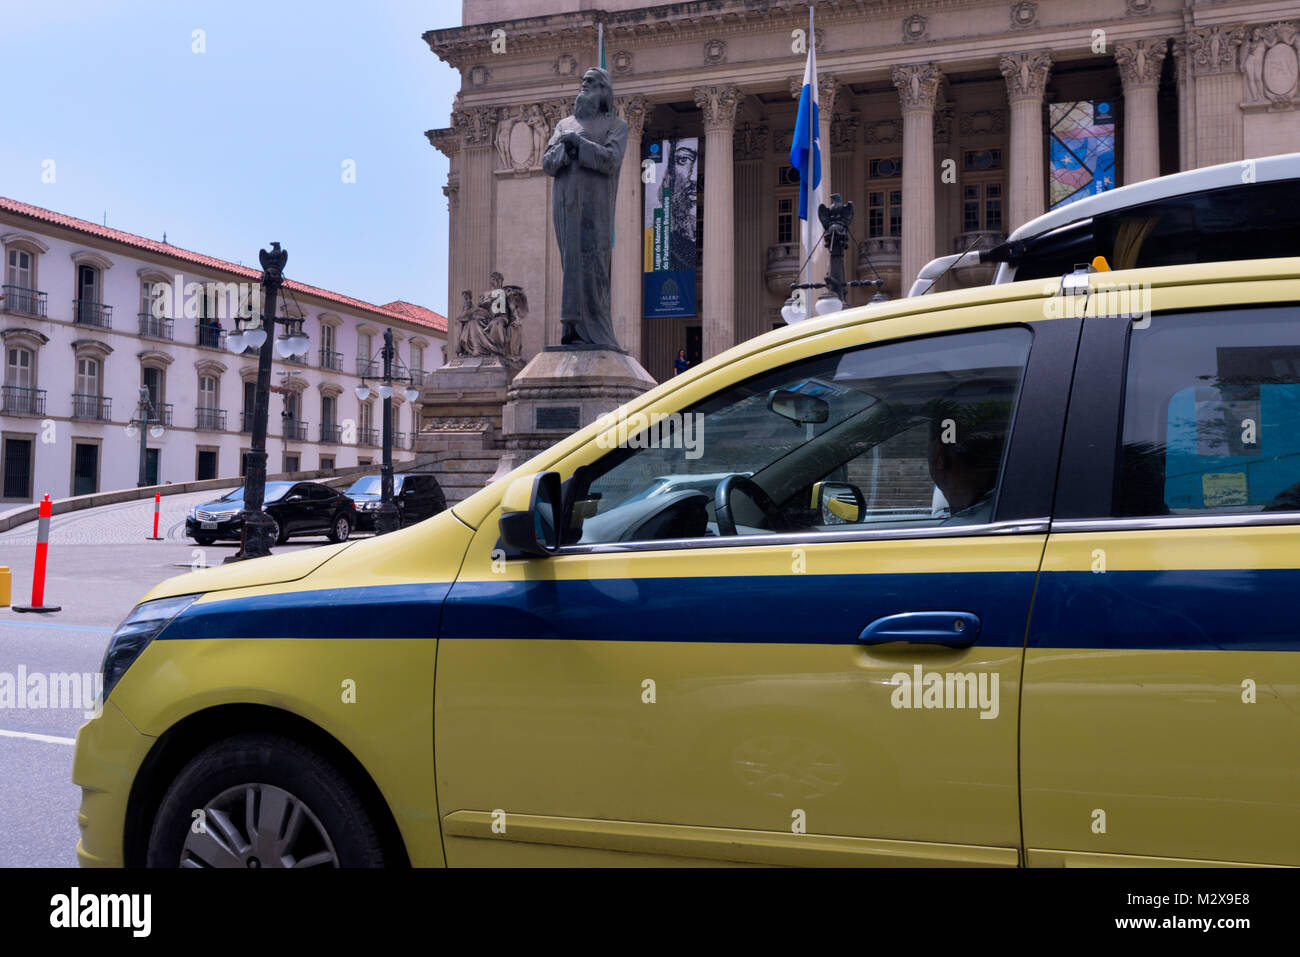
941 121
90 315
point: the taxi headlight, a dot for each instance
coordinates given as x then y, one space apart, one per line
145 622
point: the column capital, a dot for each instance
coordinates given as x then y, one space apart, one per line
828 85
1139 61
634 110
719 104
476 124
918 85
1214 49
446 141
1026 74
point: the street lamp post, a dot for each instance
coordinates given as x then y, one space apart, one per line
835 220
149 422
387 517
255 523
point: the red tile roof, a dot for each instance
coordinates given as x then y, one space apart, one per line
397 309
417 314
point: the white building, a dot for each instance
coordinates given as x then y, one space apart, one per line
83 332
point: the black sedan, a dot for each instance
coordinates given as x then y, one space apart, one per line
296 508
417 496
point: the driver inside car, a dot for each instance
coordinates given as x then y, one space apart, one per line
964 454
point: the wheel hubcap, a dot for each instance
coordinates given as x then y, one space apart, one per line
255 826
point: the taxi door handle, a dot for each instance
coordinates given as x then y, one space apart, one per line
956 629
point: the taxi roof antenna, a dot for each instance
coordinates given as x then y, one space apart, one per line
953 263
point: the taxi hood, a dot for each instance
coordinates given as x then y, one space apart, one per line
272 570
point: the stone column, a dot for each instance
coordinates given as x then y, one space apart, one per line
918 84
1139 63
1026 76
447 142
719 321
626 283
1213 52
1186 105
477 127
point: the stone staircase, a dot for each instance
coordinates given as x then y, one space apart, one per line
461 472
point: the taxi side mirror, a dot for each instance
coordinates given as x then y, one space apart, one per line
530 511
838 503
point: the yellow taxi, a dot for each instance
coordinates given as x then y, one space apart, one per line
1000 576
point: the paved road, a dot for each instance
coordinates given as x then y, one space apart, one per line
99 566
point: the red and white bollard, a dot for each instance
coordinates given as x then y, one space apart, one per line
157 498
38 574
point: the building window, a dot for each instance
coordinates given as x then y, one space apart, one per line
785 213
291 463
87 376
981 161
207 392
20 269
152 380
885 167
18 369
417 359
884 213
981 208
327 461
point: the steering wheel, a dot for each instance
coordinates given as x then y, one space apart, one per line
742 483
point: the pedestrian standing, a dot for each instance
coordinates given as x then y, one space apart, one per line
681 363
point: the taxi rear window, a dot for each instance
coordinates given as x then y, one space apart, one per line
1212 414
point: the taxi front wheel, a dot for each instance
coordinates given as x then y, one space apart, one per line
262 800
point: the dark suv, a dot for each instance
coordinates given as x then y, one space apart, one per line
416 494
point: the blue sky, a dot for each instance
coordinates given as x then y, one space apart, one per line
230 149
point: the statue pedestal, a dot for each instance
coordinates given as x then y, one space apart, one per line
462 403
561 390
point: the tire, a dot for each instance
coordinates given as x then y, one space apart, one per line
287 782
204 540
280 535
340 528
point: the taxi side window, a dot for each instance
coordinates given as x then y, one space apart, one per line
1212 414
909 433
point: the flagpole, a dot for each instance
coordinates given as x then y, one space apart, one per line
812 161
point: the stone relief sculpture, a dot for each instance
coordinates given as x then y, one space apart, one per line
492 327
1270 65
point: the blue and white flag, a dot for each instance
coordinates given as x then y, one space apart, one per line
805 146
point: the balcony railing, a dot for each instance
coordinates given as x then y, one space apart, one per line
155 328
331 433
162 413
418 377
91 313
368 437
246 422
367 367
294 430
29 302
213 420
209 336
294 360
17 400
399 440
331 360
96 407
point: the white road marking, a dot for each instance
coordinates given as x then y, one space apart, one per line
32 736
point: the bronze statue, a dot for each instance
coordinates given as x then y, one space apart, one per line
584 155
